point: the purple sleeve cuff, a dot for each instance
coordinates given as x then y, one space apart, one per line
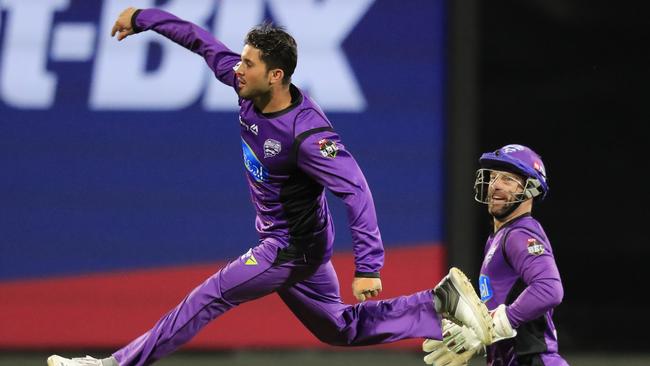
134 24
366 274
514 323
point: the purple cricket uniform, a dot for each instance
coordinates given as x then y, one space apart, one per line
519 270
290 157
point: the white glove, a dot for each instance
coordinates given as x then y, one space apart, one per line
459 344
502 327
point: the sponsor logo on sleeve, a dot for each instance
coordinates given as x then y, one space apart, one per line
535 247
248 258
328 148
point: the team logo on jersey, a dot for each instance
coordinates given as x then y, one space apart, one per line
271 148
253 164
485 288
534 247
328 148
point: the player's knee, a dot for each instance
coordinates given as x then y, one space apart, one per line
335 338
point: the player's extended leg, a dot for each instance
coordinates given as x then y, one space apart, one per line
317 303
251 276
246 278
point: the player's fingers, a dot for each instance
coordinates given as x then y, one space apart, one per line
114 29
442 356
361 297
374 293
456 347
123 34
437 359
367 293
430 344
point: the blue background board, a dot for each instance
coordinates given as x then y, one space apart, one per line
88 189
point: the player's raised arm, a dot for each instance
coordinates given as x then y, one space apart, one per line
219 58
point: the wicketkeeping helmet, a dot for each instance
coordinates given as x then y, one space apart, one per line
523 161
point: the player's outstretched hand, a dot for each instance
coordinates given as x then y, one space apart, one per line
366 288
122 26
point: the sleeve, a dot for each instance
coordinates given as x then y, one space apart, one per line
219 58
323 157
533 260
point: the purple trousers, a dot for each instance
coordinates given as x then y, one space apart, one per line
311 291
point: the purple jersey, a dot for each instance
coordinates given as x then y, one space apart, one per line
519 270
290 157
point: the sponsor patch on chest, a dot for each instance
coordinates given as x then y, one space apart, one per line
253 165
485 288
535 247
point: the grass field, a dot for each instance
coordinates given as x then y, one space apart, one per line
318 358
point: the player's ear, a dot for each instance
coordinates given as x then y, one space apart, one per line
276 76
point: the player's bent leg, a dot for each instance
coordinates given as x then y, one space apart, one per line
456 300
317 303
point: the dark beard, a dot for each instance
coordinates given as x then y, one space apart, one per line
502 213
260 99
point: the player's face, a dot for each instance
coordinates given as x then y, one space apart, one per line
252 74
502 191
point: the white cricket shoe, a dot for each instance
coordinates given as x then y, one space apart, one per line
56 360
457 301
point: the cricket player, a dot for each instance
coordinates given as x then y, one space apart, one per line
519 279
291 154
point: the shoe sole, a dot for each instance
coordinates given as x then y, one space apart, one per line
51 361
467 292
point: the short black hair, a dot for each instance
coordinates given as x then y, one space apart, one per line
277 48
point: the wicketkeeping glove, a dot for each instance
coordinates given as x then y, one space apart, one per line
502 327
459 344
